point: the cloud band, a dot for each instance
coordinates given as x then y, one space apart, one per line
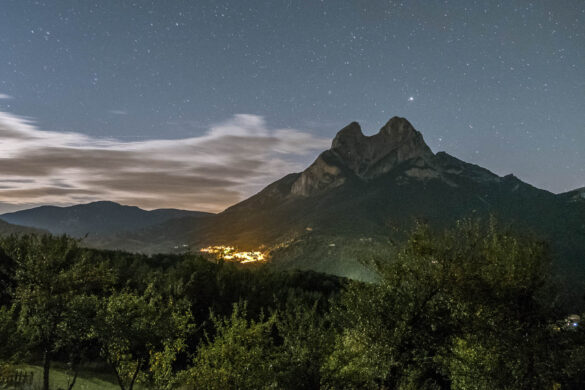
231 160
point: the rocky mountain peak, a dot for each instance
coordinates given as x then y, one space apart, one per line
398 128
368 157
348 136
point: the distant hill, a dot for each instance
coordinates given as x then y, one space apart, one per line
97 218
7 228
171 236
364 193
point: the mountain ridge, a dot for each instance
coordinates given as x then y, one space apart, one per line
101 217
8 228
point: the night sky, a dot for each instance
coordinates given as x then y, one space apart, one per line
198 104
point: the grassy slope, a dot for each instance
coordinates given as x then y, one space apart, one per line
87 380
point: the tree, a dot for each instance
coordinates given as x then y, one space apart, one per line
468 307
240 356
7 274
141 335
76 341
574 357
52 272
307 340
10 337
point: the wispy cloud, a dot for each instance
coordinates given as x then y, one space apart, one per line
4 96
231 160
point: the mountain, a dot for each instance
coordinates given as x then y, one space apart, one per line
97 218
7 228
368 188
366 192
577 195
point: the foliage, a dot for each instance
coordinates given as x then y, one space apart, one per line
10 337
141 334
240 356
7 270
469 308
52 274
307 341
457 310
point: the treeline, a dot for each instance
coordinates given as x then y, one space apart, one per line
469 308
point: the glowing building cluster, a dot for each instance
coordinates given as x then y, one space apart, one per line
230 253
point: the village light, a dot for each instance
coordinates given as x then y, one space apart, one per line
230 253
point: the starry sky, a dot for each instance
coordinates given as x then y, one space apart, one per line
199 104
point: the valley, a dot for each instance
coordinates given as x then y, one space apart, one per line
364 187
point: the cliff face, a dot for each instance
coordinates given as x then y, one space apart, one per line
369 157
365 157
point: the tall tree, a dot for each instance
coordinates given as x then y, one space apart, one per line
307 340
140 335
470 308
51 273
241 355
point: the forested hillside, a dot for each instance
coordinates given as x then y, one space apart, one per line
473 307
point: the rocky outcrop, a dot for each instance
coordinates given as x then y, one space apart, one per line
321 175
354 155
366 157
369 157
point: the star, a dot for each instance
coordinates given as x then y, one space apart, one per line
411 99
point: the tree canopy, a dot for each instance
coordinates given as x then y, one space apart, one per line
472 307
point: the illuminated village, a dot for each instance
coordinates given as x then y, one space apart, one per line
230 253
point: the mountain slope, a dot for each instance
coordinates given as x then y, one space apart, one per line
97 218
577 195
366 191
7 228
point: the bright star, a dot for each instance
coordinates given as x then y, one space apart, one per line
411 99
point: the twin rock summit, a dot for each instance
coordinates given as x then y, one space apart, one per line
355 199
396 156
369 157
